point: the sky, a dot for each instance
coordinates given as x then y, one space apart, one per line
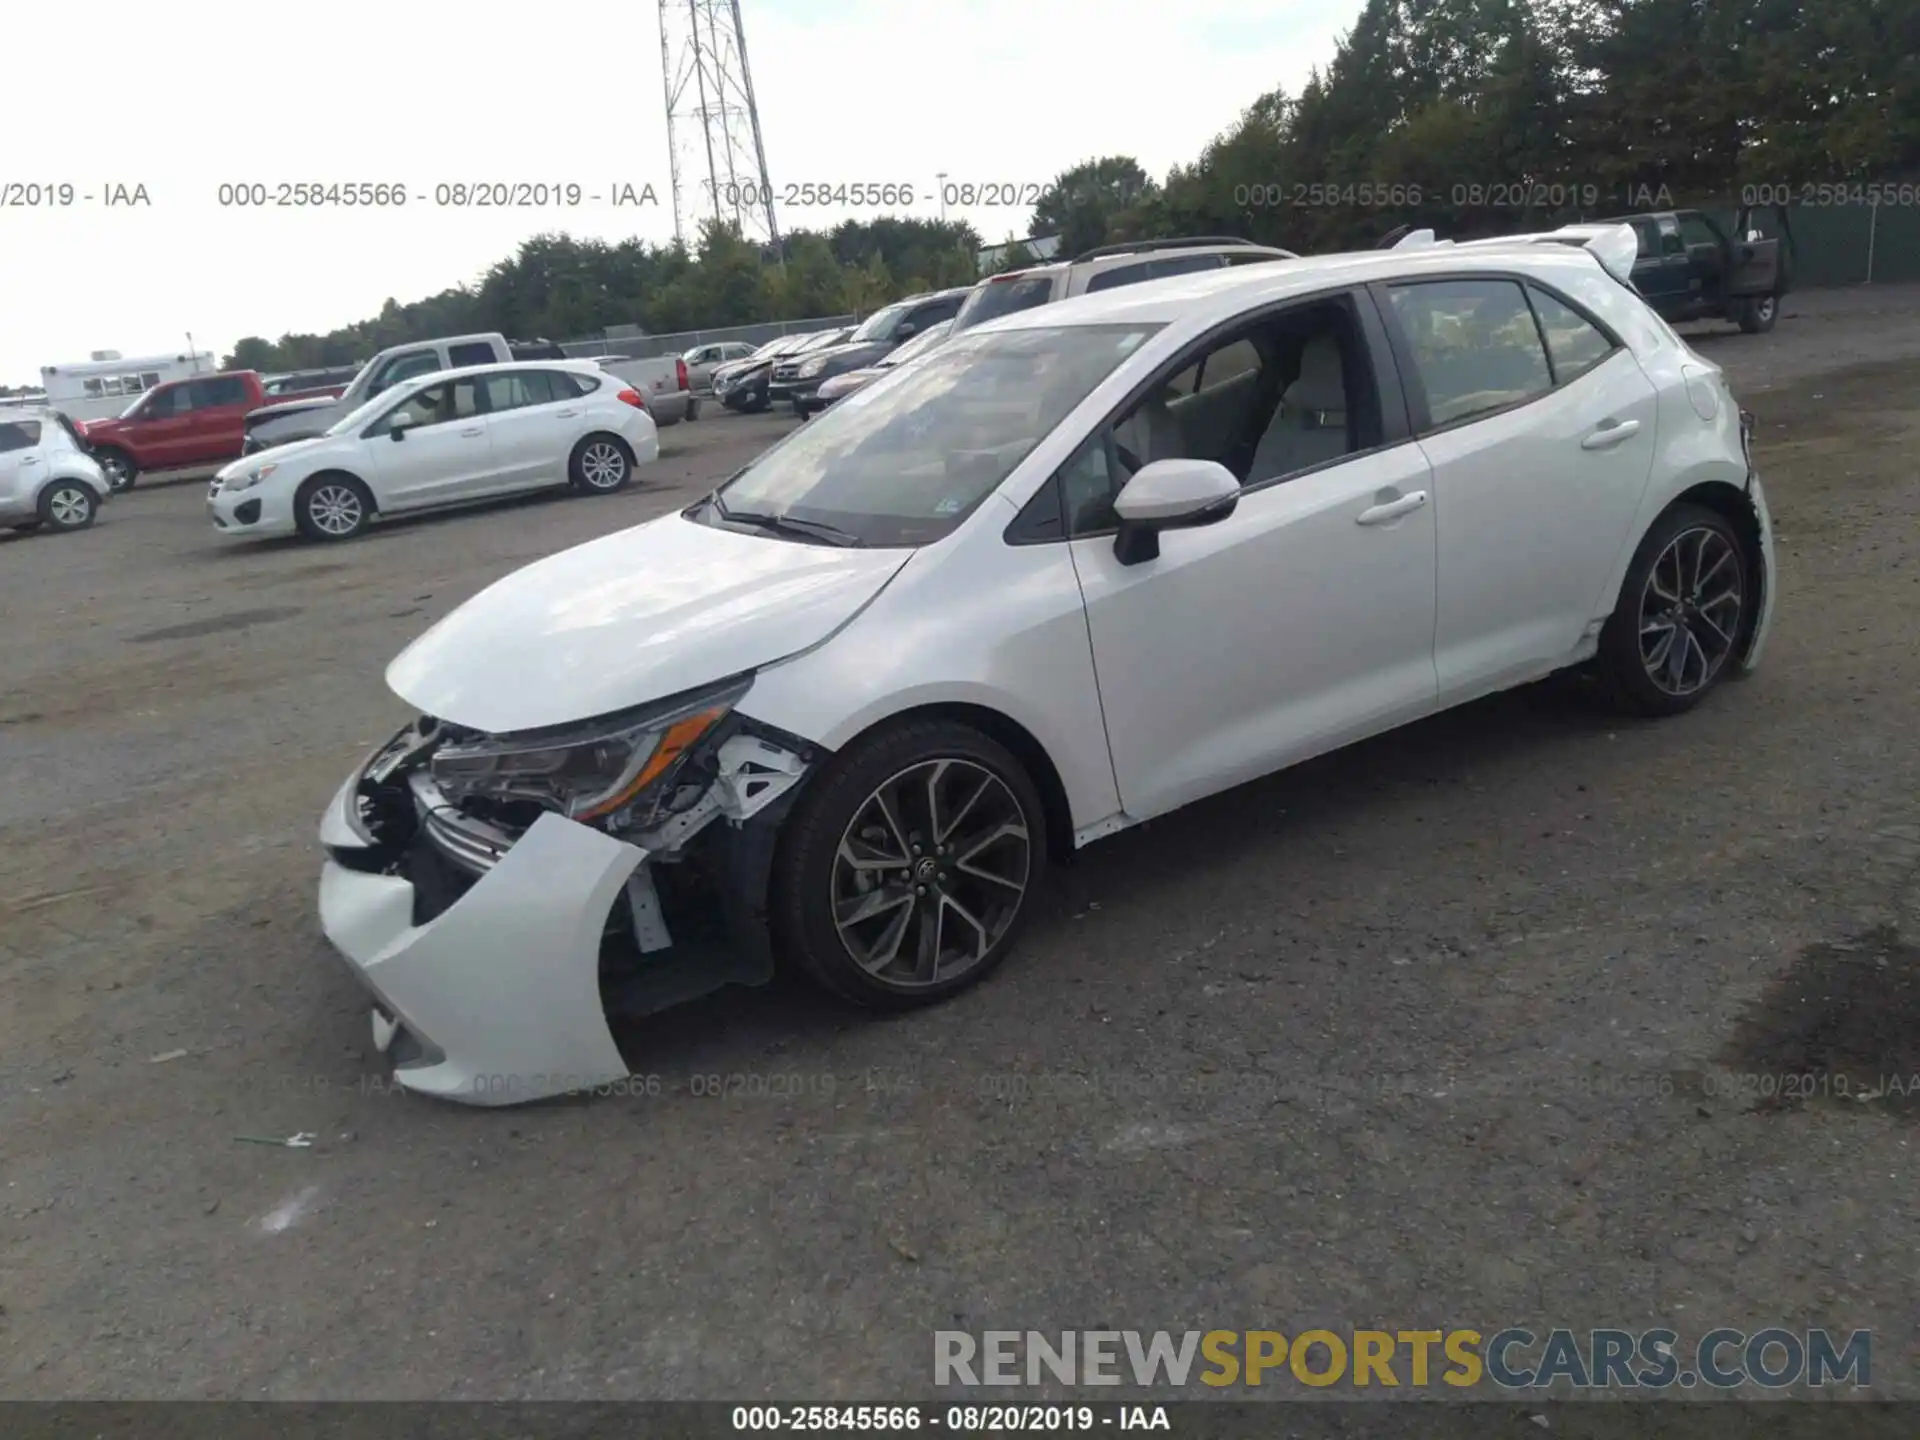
183 98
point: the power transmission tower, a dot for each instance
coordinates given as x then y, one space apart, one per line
719 164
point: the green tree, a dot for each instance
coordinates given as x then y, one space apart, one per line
1081 203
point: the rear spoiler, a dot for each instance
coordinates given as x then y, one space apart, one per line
1616 247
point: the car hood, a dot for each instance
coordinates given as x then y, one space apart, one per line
630 618
278 455
849 357
292 407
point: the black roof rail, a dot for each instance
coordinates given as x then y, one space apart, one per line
1179 242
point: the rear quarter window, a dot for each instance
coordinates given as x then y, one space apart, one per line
470 354
19 435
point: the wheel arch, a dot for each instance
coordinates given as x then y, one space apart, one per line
1025 747
1734 505
342 473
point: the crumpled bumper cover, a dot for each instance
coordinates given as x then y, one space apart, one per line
501 991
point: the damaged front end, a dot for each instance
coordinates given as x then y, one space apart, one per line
506 898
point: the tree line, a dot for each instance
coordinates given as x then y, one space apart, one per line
1472 116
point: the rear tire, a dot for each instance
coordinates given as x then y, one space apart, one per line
332 506
67 505
600 465
118 467
909 866
1759 315
1684 612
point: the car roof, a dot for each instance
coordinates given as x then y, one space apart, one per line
462 372
1209 295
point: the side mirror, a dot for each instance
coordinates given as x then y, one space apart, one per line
397 427
1170 495
907 331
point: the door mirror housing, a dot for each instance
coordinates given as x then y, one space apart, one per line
398 426
906 331
1170 495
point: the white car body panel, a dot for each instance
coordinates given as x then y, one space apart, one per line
1530 524
1283 631
643 613
1286 629
476 457
1010 630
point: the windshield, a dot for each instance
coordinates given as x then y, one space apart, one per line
904 460
918 345
1003 297
881 324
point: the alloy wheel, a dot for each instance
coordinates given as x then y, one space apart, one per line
116 471
603 466
1690 611
930 873
69 507
335 510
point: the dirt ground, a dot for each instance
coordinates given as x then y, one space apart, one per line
1439 1031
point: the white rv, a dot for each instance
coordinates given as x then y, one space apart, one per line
109 382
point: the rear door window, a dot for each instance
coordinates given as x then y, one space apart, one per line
472 353
1120 275
19 434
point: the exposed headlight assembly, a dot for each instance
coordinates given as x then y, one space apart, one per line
810 368
593 771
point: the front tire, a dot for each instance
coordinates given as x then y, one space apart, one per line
117 465
67 505
601 464
908 868
332 507
1759 315
1684 611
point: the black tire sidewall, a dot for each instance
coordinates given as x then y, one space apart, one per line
799 892
304 497
1619 658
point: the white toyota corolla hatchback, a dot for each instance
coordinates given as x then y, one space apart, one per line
1074 569
447 438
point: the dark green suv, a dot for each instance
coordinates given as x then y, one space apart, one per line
1691 268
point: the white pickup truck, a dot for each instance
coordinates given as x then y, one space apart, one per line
661 381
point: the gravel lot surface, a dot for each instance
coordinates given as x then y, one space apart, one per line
1438 1031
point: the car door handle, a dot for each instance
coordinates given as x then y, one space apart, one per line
30 460
477 430
565 414
1393 509
1609 433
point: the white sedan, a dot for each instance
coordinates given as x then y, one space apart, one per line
1074 569
442 439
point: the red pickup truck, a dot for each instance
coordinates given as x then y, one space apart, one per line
198 421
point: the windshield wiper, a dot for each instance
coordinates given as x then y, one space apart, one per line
817 530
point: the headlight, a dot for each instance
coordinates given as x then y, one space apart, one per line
593 770
247 479
813 367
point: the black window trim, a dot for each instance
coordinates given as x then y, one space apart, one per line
1419 411
1047 505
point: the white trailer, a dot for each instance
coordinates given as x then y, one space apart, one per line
109 382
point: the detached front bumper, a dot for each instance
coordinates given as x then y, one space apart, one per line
495 960
498 997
